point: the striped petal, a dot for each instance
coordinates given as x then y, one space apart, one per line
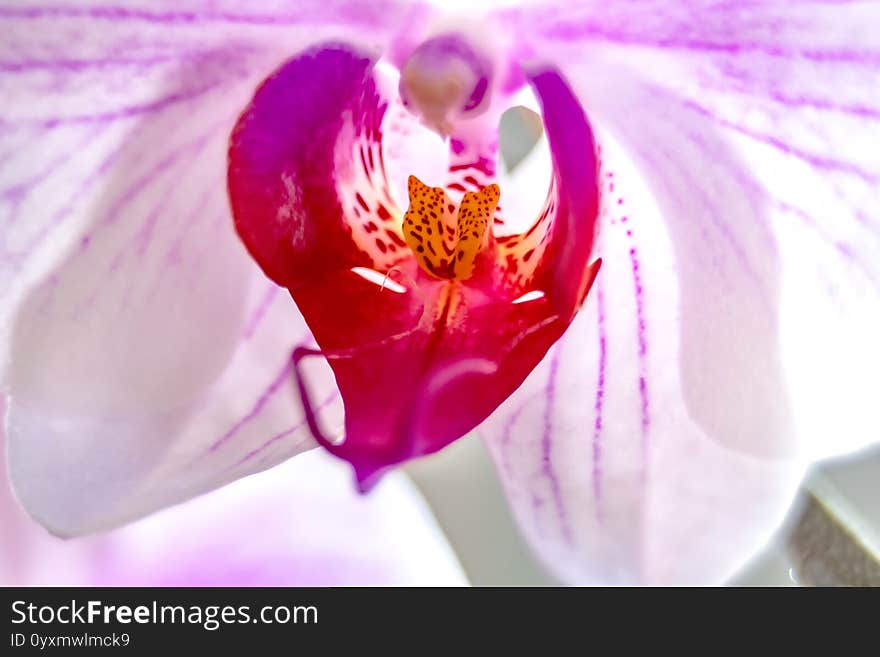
731 339
146 356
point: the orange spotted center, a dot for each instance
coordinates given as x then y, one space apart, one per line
446 245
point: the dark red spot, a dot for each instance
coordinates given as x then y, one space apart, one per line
381 245
482 164
383 213
364 162
363 203
396 238
534 226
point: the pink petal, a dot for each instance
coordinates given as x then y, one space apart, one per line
733 336
144 353
301 524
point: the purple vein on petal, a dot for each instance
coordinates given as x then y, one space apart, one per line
809 221
641 327
11 149
284 434
118 13
755 195
639 291
507 436
188 150
76 65
752 194
15 263
96 176
370 11
735 48
282 377
671 162
142 239
18 191
547 444
814 160
600 400
131 111
182 170
844 250
66 208
256 317
789 100
173 254
665 161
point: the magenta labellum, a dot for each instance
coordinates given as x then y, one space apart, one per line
425 358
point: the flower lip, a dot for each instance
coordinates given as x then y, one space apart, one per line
421 367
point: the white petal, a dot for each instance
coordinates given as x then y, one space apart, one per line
780 101
143 351
740 311
613 475
300 524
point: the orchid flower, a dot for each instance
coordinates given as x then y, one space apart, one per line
303 523
233 231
